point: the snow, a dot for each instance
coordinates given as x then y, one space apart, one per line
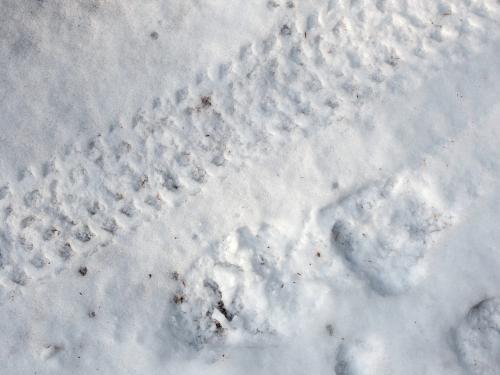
477 337
384 233
70 68
250 187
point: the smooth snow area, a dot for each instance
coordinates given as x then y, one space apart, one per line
69 68
281 187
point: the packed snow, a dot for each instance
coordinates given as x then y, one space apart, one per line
235 187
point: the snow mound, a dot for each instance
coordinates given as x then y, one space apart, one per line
227 294
384 232
478 338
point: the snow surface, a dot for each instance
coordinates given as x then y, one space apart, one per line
267 187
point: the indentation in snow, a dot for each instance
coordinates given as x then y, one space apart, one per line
384 232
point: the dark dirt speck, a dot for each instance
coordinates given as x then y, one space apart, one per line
206 101
285 30
83 270
179 299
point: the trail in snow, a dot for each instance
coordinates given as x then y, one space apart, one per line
318 72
